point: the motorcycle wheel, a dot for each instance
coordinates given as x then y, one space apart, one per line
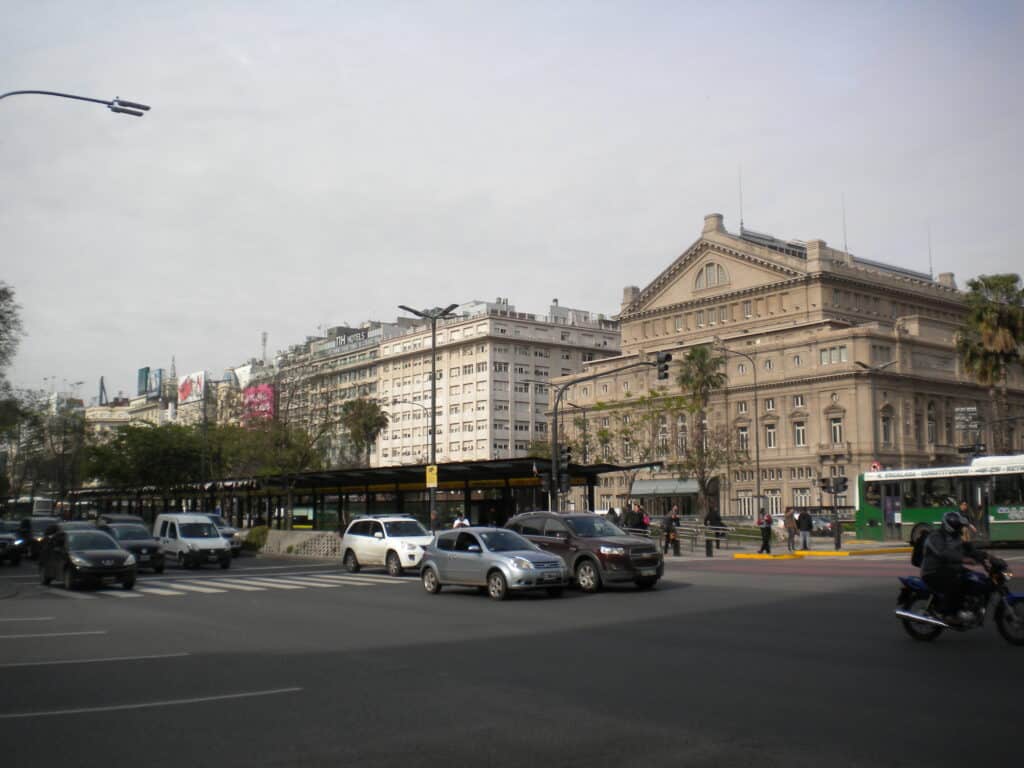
1010 622
919 631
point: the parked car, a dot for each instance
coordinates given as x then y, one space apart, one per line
821 526
496 559
229 532
12 546
138 540
395 542
32 531
86 556
595 551
191 539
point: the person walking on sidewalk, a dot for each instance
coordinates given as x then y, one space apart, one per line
764 522
672 532
789 522
805 524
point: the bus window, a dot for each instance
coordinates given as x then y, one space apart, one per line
873 494
910 493
937 492
1008 490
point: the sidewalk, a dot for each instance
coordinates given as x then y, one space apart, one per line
821 546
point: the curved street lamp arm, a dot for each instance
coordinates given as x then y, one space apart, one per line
114 105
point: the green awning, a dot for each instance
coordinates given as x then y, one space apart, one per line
664 488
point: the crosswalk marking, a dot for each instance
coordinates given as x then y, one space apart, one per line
69 593
158 591
363 579
195 588
121 593
231 585
307 582
271 583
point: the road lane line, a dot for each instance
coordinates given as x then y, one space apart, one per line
197 588
55 634
240 587
149 704
158 591
92 661
32 618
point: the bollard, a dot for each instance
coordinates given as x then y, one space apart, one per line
709 548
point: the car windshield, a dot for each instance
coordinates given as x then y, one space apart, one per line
79 540
40 524
592 527
405 528
130 532
500 540
218 521
199 531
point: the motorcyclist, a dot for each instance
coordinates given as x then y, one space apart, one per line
942 568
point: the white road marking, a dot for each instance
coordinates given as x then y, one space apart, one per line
226 584
309 581
364 579
158 591
32 618
92 661
196 588
149 704
276 583
66 593
122 593
55 634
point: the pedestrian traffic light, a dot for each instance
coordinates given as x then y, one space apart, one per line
840 485
664 358
564 456
825 484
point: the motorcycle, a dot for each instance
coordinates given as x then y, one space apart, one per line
920 609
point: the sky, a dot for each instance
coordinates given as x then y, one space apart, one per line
316 163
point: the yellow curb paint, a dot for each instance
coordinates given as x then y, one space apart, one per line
823 553
763 557
883 551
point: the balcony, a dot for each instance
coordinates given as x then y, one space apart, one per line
834 449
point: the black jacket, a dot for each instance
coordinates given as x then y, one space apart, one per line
944 552
805 522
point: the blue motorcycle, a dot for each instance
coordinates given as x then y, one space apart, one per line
921 610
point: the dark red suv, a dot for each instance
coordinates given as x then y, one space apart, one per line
596 552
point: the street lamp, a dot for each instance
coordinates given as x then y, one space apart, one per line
433 315
757 426
117 104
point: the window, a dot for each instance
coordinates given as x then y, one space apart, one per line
748 309
769 436
769 403
741 369
773 501
801 497
743 438
741 407
886 430
798 401
769 364
710 275
700 318
832 355
799 433
836 428
797 361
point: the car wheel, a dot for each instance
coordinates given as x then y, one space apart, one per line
555 591
394 564
430 581
351 562
497 587
44 577
646 583
158 568
588 577
128 583
69 578
225 563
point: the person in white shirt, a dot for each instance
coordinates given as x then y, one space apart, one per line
461 521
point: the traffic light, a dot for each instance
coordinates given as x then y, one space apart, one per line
825 484
563 483
840 485
545 481
564 457
664 358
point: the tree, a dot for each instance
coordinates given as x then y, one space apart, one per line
364 420
10 336
701 374
991 340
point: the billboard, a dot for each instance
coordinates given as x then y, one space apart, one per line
258 403
154 383
191 388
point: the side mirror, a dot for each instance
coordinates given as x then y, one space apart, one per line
473 548
378 535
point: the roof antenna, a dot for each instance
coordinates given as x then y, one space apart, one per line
846 249
740 167
931 273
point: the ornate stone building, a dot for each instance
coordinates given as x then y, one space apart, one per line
834 362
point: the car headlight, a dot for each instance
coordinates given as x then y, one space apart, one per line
409 546
521 563
80 561
192 547
19 542
613 550
130 560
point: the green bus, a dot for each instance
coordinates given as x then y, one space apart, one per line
902 503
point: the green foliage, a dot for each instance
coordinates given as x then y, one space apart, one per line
364 420
256 538
161 457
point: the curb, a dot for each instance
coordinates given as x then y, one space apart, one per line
739 556
837 553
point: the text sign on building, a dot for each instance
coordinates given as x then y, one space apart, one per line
258 403
191 388
431 475
966 418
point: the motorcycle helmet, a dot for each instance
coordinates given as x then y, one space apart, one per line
953 523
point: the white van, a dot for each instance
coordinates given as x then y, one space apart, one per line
191 540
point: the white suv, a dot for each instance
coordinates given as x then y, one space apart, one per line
396 542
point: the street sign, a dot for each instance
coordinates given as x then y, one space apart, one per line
431 475
977 448
966 418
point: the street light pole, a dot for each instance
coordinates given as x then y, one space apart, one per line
433 316
757 426
118 105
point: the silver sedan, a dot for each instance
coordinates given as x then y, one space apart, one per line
494 559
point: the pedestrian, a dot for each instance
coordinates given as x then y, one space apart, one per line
612 516
805 524
435 521
764 522
461 521
789 522
645 519
672 531
713 522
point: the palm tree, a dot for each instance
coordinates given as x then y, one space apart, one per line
364 420
991 340
700 374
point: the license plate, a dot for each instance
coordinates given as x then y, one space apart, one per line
648 571
550 577
213 558
143 558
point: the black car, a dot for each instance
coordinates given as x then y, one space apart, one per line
138 540
33 531
595 551
86 556
12 547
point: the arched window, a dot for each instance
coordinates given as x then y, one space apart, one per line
710 275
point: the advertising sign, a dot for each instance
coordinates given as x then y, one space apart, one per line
142 381
191 388
258 403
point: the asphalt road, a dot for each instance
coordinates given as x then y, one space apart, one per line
287 663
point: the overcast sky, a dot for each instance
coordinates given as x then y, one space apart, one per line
312 164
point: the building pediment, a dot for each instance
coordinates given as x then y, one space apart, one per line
715 265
